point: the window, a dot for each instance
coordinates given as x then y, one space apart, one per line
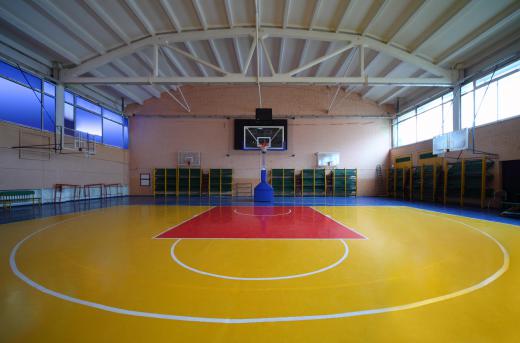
406 132
424 122
89 123
466 110
84 115
112 133
28 100
429 123
125 134
14 73
508 102
492 97
23 101
19 104
68 116
87 105
49 113
486 104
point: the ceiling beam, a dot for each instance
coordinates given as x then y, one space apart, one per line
129 94
138 12
510 15
238 55
303 54
193 56
346 64
319 60
388 71
38 35
231 24
454 13
127 71
344 15
200 14
165 39
107 19
170 57
149 64
249 56
55 12
369 42
277 79
168 8
286 12
327 51
315 13
204 23
198 60
412 18
267 57
396 92
281 55
375 17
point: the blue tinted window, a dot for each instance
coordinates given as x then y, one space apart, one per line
49 88
87 105
68 116
25 78
88 123
69 97
19 104
112 133
49 113
112 116
125 134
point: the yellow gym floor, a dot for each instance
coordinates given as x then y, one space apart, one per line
104 276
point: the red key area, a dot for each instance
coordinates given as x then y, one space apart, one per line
287 222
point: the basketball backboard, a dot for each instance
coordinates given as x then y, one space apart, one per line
254 136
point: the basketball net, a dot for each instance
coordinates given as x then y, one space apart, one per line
263 149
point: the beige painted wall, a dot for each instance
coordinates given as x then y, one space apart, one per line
284 100
363 143
502 138
37 170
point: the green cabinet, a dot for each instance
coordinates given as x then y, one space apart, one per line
159 181
313 182
344 182
283 182
220 182
189 181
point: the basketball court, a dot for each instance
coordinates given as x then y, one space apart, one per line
259 171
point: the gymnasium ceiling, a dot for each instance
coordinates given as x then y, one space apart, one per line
137 48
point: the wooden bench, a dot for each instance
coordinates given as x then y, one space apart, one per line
7 198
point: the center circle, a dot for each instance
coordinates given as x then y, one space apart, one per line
284 277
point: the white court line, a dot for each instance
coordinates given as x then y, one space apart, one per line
337 222
198 271
184 221
481 284
262 215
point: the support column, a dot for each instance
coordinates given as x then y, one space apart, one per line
456 108
60 104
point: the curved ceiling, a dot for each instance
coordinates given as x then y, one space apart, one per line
380 48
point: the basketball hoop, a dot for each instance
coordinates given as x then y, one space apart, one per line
263 147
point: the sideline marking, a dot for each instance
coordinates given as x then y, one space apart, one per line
179 262
481 284
262 215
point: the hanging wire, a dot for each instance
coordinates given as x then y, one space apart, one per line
476 113
40 99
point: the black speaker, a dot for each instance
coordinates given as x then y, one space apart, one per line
264 114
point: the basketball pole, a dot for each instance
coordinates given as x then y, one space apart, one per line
263 191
